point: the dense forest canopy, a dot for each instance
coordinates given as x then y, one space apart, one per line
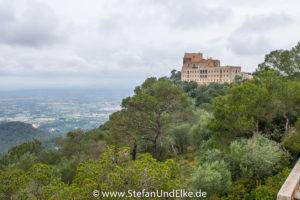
233 141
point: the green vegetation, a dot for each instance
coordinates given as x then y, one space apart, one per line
145 117
256 157
233 141
14 133
113 171
213 177
285 62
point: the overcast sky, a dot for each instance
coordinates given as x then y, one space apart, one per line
119 43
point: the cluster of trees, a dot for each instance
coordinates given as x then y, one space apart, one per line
233 141
148 115
113 171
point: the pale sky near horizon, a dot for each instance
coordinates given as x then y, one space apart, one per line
119 43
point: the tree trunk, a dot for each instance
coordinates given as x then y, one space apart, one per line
255 132
158 132
287 121
133 153
154 142
285 152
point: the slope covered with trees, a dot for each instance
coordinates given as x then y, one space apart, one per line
14 133
233 141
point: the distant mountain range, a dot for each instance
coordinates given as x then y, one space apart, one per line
15 133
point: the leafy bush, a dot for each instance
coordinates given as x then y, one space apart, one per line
200 132
253 189
269 190
212 177
256 157
50 157
241 189
292 142
181 139
15 154
25 162
211 156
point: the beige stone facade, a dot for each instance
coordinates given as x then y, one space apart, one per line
205 71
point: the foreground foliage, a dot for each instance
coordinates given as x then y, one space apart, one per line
113 171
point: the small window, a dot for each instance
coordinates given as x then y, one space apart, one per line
189 65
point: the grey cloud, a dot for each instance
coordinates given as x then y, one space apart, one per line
5 13
264 23
252 37
250 44
195 14
36 25
111 25
172 14
127 58
118 64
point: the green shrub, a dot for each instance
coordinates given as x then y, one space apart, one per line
256 157
200 132
213 178
210 156
252 189
181 139
292 142
241 189
272 185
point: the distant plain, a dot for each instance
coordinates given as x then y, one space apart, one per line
58 111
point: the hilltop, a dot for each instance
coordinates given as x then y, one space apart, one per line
14 133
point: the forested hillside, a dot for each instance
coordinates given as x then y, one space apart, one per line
233 141
14 133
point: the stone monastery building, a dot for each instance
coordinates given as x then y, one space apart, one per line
205 71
